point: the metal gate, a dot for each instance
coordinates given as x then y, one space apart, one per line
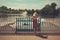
48 26
51 26
26 24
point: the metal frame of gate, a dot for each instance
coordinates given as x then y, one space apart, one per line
26 24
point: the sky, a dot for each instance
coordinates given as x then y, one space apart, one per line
27 4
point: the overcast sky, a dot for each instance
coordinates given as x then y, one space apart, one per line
27 4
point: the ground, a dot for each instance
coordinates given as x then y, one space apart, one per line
28 37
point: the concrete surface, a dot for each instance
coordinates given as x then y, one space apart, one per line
28 37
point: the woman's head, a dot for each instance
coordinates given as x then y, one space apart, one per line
35 14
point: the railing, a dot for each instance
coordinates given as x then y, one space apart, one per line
26 24
49 25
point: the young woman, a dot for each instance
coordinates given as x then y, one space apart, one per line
35 24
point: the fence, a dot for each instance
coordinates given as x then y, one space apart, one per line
26 24
46 26
49 25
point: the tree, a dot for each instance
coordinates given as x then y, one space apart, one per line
29 12
32 11
53 6
4 7
49 10
45 11
3 11
58 10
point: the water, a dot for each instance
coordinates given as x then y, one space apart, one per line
10 19
7 20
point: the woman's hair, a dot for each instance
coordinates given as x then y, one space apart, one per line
35 14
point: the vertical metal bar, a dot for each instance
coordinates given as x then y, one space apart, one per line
19 23
16 24
29 23
22 23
